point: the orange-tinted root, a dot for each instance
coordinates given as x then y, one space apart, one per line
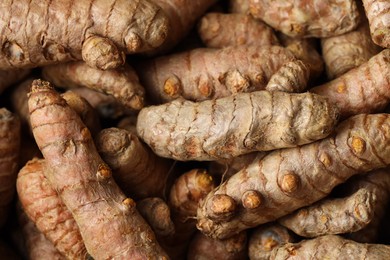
84 182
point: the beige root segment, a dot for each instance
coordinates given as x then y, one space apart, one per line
331 247
239 6
43 206
137 170
218 30
158 215
10 142
364 89
121 83
347 51
185 194
378 14
378 182
182 16
333 216
292 77
228 127
309 18
289 179
37 33
266 238
197 75
84 182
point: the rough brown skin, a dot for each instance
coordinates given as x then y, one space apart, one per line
106 105
43 206
203 248
197 75
378 182
331 247
308 18
10 136
157 213
84 182
377 12
19 101
185 194
347 51
288 179
239 6
292 77
266 238
37 245
122 83
305 50
333 216
228 127
364 89
182 16
218 30
37 33
7 78
86 112
136 169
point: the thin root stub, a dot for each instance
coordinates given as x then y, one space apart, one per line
290 182
251 199
222 206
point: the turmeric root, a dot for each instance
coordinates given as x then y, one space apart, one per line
266 238
185 194
288 179
38 33
72 162
377 12
292 77
7 78
218 30
378 182
182 16
122 83
333 216
331 247
203 247
307 18
228 127
156 212
43 206
10 135
364 89
347 51
304 50
137 170
86 112
37 245
197 75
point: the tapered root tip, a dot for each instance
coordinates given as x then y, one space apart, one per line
221 207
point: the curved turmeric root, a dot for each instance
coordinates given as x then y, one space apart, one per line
288 179
364 89
227 127
84 182
377 12
331 247
38 33
43 206
310 18
196 74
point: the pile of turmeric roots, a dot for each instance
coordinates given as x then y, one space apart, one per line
182 129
